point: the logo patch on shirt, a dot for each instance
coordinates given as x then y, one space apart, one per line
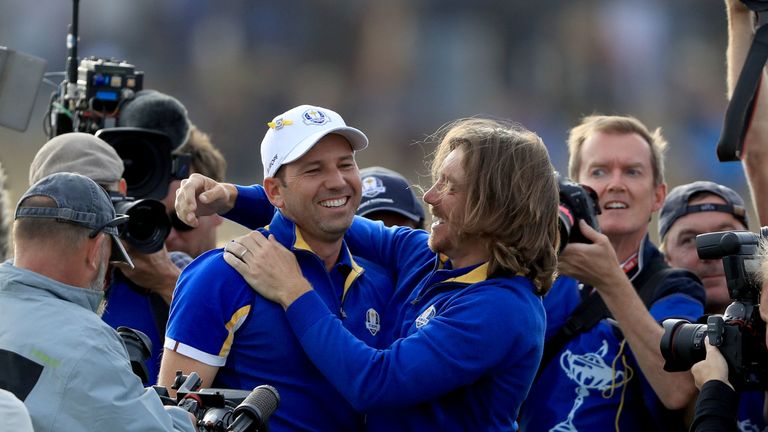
372 186
372 321
315 117
425 316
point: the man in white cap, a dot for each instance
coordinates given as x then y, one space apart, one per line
221 329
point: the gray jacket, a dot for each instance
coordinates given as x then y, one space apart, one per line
72 366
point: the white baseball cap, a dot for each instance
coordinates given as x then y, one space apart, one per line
296 131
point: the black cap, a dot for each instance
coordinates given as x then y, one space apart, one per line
387 190
80 201
676 204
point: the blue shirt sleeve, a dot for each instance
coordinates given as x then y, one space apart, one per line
678 296
252 207
470 336
398 248
210 303
395 248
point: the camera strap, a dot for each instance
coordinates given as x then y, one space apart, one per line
738 115
592 309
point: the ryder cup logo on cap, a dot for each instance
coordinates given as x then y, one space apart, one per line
372 186
315 116
295 132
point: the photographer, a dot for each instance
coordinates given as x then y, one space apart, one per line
69 367
136 297
207 160
609 375
192 151
698 208
717 404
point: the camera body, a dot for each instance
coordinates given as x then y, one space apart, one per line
215 410
577 202
756 5
148 224
220 410
148 158
739 333
100 88
90 100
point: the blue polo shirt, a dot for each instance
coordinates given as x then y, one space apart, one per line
216 318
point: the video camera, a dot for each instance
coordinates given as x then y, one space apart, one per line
216 410
576 202
222 410
739 334
90 100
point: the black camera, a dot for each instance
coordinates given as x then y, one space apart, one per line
215 410
92 95
221 410
139 348
150 165
90 100
756 5
577 202
148 224
739 334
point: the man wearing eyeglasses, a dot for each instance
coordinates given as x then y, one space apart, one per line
70 369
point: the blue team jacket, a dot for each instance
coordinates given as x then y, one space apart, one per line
465 348
216 318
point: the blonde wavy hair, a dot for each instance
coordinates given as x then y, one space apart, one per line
512 196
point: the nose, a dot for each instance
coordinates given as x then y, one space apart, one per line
432 196
615 183
335 179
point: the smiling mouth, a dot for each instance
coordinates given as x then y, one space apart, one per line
615 205
334 203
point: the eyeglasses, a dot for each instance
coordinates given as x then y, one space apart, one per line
118 220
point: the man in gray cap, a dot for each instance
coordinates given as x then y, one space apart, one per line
696 208
689 210
137 298
70 368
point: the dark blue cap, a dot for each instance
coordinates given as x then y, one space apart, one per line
387 190
676 204
80 201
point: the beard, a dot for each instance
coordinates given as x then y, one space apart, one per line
98 282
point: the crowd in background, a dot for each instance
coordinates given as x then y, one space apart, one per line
400 69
